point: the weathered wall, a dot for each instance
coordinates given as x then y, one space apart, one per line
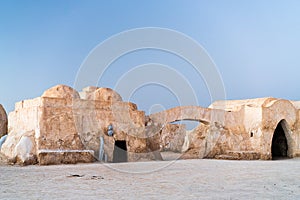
296 130
3 121
59 125
62 126
172 137
272 113
241 130
128 124
20 144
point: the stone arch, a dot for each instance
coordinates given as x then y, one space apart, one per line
281 143
162 123
181 113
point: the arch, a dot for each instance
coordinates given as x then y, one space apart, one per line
281 141
190 113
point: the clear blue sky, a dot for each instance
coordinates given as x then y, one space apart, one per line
255 44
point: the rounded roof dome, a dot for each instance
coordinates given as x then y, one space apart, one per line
61 91
106 94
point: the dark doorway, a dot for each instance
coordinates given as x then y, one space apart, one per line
120 151
279 143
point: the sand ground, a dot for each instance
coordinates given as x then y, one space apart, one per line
180 179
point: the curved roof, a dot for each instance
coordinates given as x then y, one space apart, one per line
235 105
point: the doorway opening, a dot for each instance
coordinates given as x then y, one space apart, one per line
279 147
120 151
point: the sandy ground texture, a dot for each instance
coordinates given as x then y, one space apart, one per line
181 179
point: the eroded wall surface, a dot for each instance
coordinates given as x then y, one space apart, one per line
64 126
3 121
239 129
59 127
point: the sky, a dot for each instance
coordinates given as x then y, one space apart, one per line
253 44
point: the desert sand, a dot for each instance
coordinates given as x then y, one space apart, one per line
175 179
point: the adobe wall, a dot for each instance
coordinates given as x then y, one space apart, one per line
20 144
59 126
64 126
3 121
239 129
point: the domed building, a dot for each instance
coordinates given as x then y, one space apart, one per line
62 127
66 126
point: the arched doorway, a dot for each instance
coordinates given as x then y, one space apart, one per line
279 146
